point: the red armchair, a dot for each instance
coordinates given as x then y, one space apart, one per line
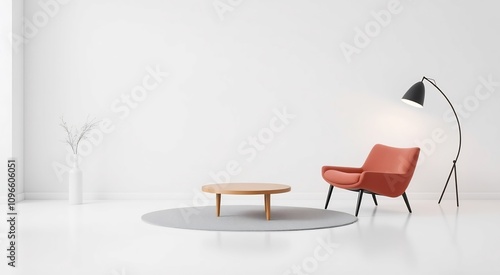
387 171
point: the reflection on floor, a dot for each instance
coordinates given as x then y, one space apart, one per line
109 238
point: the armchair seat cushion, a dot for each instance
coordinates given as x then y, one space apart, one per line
339 177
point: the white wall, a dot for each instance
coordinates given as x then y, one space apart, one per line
229 71
5 86
18 96
11 91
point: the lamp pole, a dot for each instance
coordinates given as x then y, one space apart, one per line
454 166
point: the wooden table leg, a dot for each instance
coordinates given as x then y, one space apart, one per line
217 202
267 204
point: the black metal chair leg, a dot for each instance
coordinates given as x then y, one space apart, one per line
374 199
360 197
329 195
406 201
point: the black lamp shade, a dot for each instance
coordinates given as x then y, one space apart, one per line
415 95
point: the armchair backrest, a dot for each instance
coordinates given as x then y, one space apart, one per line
388 159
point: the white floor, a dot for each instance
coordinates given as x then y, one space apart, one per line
108 237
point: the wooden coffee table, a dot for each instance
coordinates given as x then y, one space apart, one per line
265 189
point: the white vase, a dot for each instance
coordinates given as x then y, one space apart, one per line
75 183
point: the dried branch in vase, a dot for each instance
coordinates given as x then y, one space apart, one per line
75 135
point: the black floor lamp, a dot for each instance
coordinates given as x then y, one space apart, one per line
415 97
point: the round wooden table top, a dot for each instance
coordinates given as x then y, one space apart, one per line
246 188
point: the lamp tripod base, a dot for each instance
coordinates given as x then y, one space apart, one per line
453 171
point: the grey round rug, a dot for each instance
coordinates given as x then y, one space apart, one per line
248 218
